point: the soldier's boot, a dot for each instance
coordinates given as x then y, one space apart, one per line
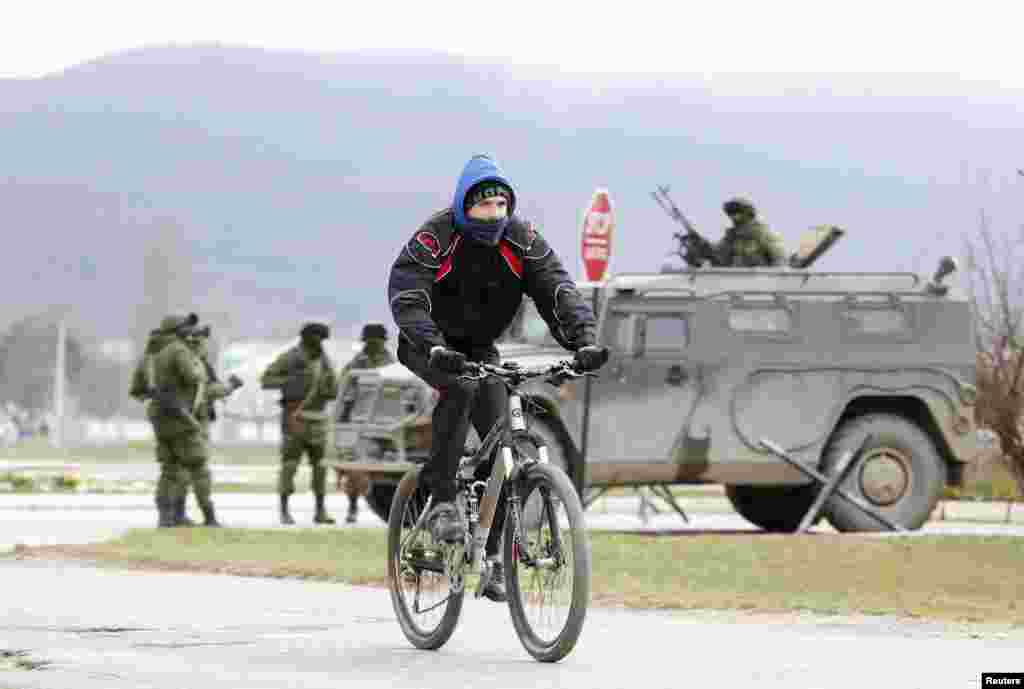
353 510
165 514
286 516
180 517
321 516
495 589
209 515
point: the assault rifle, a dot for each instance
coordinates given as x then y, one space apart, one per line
294 388
171 405
693 248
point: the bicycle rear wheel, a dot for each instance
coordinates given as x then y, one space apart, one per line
548 566
426 607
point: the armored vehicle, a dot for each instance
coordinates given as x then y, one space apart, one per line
707 362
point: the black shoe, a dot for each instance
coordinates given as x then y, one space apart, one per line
495 589
165 514
180 517
445 525
209 515
321 516
286 516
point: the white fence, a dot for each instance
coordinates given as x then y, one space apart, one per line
122 431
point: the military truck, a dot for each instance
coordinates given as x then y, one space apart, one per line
706 362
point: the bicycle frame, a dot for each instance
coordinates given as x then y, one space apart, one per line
500 437
497 443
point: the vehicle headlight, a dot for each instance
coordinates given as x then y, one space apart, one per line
371 449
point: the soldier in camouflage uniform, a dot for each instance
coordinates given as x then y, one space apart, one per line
373 355
307 382
142 387
198 341
748 243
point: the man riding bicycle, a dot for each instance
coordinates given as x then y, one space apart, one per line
454 289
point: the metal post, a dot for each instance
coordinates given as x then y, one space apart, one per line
834 485
58 385
838 474
581 468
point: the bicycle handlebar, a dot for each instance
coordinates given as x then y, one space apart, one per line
512 373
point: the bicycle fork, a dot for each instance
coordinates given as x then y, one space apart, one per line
504 462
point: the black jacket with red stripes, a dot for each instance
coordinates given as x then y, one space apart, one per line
445 290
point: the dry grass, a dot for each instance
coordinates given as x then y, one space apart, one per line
973 579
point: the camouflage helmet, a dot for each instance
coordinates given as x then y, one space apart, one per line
177 323
737 205
318 330
374 331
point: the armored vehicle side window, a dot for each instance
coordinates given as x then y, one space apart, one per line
535 330
877 321
618 332
390 405
363 406
528 327
760 320
663 333
877 318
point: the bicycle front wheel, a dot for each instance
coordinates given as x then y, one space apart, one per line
426 607
547 565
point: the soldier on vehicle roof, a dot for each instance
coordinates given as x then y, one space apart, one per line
748 243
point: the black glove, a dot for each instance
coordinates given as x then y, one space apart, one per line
447 360
235 382
590 357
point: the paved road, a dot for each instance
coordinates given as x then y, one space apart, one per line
110 629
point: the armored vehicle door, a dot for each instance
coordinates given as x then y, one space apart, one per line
638 398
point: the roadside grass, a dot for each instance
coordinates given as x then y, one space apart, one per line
23 484
126 453
957 578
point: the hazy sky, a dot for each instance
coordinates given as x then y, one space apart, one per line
978 40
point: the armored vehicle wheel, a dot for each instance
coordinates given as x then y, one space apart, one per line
773 508
900 473
379 498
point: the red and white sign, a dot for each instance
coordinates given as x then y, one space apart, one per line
596 247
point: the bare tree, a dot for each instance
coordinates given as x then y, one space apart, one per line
27 354
995 274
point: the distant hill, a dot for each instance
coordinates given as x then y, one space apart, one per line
297 177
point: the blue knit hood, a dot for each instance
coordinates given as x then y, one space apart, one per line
480 168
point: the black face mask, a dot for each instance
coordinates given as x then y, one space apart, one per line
313 345
486 232
374 346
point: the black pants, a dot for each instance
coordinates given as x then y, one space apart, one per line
483 402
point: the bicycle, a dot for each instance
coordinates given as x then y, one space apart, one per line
545 539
